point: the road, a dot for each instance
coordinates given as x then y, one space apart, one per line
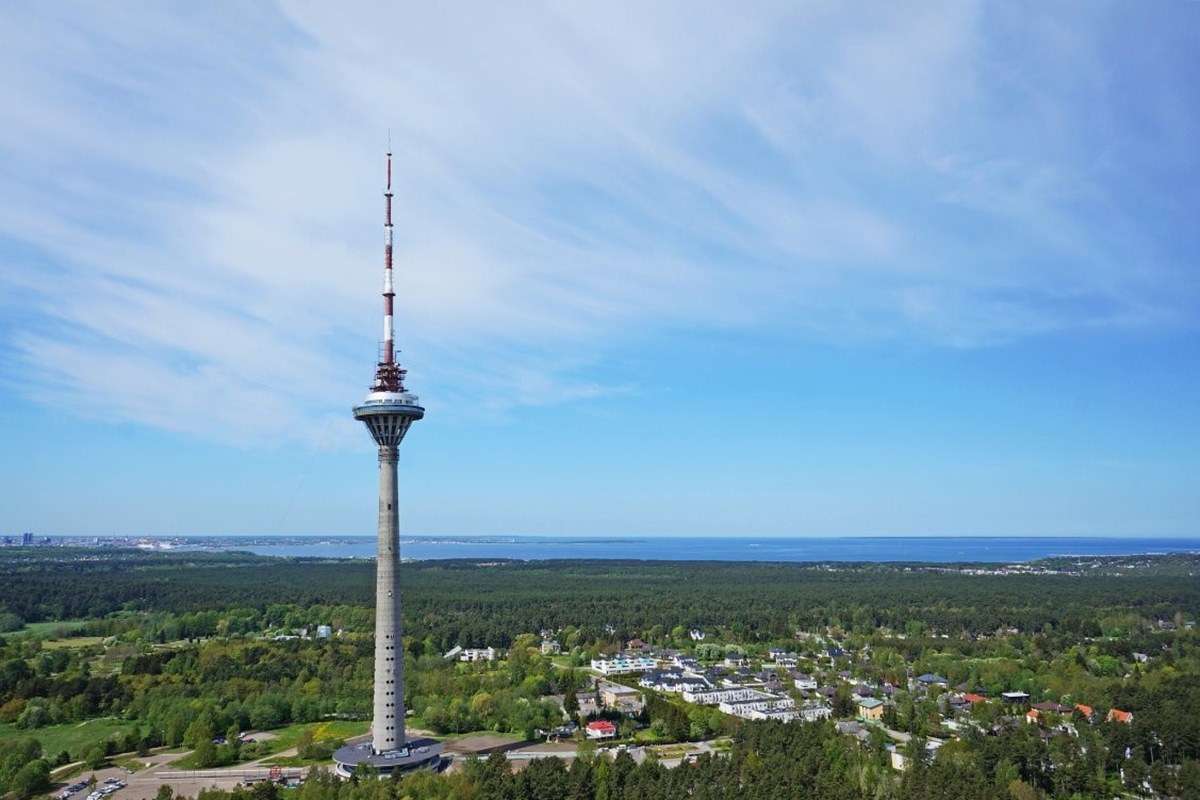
144 784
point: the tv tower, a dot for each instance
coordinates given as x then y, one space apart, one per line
388 411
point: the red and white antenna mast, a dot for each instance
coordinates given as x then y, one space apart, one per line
389 377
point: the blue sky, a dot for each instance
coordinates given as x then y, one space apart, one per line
807 269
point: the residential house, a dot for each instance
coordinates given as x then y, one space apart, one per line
1051 707
803 682
550 647
1117 715
855 729
956 704
770 678
730 695
745 708
623 663
674 681
684 662
899 761
600 729
783 658
870 708
814 711
929 680
478 654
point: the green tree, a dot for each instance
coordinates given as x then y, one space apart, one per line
32 778
96 757
1189 779
205 754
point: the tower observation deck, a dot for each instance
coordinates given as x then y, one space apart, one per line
387 411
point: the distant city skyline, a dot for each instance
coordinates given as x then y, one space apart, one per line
925 271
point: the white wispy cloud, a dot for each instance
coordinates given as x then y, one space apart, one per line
191 198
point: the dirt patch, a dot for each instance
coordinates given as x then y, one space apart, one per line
482 743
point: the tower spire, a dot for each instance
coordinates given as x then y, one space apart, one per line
389 377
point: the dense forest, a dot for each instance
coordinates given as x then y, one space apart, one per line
187 649
468 603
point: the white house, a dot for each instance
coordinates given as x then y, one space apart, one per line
732 695
620 664
805 682
745 708
600 729
814 712
674 681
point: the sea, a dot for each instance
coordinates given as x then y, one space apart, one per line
941 549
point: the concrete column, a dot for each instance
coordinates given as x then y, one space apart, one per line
388 728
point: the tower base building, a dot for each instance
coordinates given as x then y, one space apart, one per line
416 754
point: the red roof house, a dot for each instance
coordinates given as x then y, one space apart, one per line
1117 715
973 698
601 729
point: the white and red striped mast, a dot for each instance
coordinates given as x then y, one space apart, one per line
389 377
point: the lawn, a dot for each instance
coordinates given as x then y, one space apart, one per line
286 738
55 629
322 731
648 736
74 737
71 642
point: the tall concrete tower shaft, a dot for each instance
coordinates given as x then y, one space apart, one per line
388 411
388 732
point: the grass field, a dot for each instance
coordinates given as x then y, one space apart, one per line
74 737
51 628
71 642
322 731
286 738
